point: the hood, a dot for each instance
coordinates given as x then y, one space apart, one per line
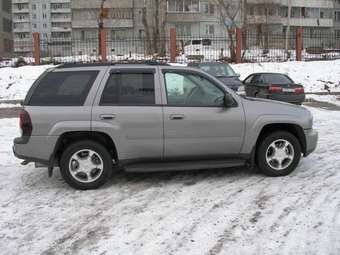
231 82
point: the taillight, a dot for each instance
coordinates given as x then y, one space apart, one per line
300 90
25 123
275 89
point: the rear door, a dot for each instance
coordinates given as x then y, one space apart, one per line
128 108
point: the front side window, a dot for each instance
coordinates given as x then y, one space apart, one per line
129 89
63 88
186 89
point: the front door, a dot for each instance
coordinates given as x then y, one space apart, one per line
196 122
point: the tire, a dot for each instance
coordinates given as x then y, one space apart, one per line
83 171
275 147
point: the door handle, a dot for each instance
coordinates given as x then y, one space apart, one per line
176 116
107 116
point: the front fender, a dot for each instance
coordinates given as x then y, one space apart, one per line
253 128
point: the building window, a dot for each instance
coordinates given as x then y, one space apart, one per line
183 6
296 12
337 16
34 6
284 12
7 25
209 29
44 15
44 6
183 29
34 16
7 6
337 34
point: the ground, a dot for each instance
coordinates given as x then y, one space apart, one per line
227 211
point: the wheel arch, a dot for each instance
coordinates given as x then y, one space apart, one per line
294 129
68 138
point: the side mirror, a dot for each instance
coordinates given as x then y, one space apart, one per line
228 100
238 75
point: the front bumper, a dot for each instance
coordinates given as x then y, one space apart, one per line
311 140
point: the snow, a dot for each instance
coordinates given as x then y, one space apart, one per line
312 75
9 105
15 82
229 211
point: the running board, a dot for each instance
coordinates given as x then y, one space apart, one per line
184 165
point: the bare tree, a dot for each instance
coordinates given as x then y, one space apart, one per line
154 21
229 9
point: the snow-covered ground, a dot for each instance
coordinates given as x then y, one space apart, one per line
312 75
230 211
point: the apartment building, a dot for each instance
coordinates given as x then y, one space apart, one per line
51 18
118 22
198 18
6 44
337 18
278 15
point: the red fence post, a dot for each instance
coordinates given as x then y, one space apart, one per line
238 46
102 44
299 44
36 48
173 47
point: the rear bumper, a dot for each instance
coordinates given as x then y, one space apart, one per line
35 149
311 140
289 98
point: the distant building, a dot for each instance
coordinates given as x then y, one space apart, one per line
6 43
119 23
51 18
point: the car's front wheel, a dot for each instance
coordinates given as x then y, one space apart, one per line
278 154
86 165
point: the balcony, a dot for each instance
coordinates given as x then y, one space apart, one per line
61 19
183 16
263 19
61 29
20 1
265 2
308 22
22 10
61 10
24 20
22 29
115 23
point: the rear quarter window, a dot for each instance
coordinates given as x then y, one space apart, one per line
63 88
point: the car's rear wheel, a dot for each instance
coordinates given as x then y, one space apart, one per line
278 154
86 165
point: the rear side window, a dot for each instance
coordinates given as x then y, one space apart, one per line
63 89
129 89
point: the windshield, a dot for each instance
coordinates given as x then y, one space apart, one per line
218 70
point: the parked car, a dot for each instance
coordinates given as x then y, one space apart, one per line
275 86
92 119
222 71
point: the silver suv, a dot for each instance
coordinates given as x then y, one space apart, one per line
91 119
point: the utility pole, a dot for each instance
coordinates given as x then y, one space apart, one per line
101 23
288 24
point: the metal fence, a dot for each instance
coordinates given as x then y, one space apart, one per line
256 47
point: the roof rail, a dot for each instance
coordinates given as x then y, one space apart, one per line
131 62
